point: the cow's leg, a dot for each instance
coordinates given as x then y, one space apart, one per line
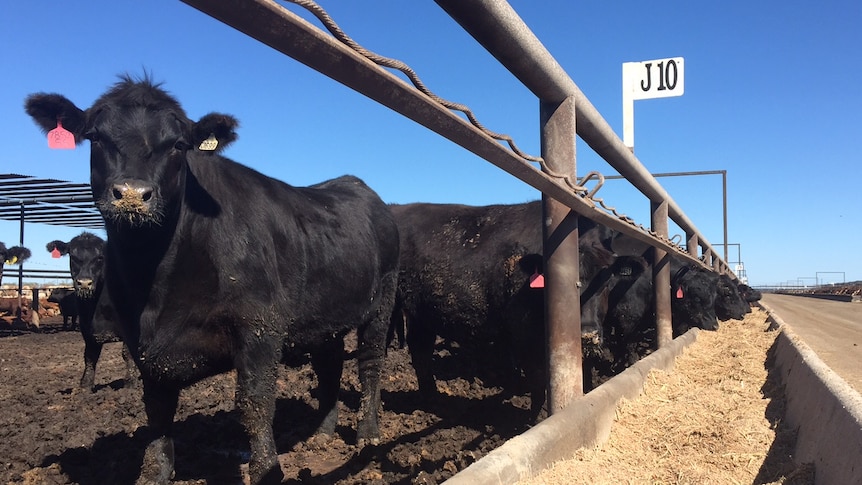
131 380
371 352
420 343
328 362
160 403
522 347
255 399
92 351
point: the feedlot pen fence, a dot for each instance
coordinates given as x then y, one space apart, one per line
565 114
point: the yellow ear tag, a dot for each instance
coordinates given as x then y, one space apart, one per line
13 260
209 144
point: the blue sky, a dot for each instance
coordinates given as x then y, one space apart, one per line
771 96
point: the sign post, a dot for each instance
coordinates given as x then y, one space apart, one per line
659 78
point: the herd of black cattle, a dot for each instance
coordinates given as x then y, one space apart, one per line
211 266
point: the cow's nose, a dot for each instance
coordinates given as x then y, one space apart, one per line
132 191
85 283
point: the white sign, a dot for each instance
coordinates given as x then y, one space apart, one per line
661 78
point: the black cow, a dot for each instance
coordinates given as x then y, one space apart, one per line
749 294
699 296
730 304
629 321
465 276
631 317
86 264
212 266
67 300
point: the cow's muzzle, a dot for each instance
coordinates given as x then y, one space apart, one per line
84 287
132 202
591 343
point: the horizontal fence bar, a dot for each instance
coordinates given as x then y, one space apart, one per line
497 27
35 273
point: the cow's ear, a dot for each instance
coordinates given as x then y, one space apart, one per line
60 246
47 109
215 131
17 255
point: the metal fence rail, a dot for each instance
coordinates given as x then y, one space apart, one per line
41 274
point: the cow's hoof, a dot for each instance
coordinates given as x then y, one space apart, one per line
363 442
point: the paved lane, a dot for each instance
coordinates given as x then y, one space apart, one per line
833 330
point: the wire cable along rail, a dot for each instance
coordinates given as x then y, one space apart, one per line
578 187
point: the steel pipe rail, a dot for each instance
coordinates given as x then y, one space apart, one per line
498 28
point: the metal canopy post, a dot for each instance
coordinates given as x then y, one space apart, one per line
560 231
21 266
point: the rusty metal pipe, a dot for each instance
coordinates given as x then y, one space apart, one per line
560 247
495 25
661 275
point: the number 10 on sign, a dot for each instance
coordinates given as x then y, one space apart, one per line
659 78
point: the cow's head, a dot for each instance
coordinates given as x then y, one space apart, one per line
140 141
631 297
57 295
729 304
86 261
693 294
748 293
595 272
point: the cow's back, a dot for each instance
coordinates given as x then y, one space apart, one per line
459 264
240 231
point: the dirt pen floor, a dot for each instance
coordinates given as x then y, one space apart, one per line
53 432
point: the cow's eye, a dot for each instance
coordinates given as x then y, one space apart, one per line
93 136
181 145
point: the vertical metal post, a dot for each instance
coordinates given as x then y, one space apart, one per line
21 266
692 244
560 231
724 208
34 308
661 276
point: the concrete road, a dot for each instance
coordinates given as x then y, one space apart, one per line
833 330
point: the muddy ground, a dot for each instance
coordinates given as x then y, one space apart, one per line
53 432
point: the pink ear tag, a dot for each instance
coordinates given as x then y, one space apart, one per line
537 280
679 293
55 253
60 138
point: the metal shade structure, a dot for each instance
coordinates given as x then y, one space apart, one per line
27 199
47 201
